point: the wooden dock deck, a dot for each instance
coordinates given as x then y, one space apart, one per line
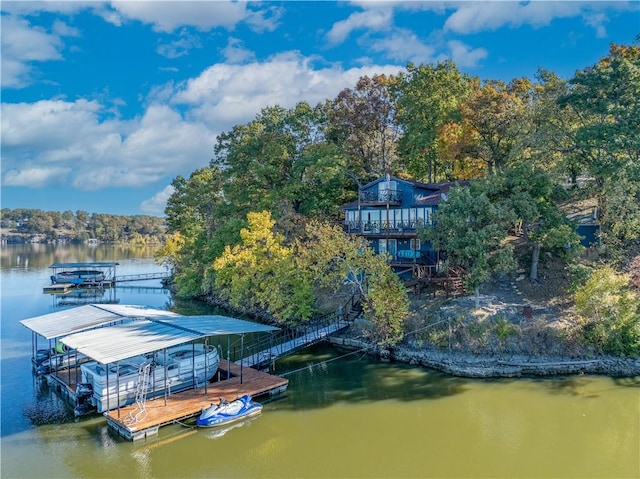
187 404
61 288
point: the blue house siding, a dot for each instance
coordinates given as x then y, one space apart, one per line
589 233
390 211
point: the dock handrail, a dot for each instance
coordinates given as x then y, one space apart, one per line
264 350
141 277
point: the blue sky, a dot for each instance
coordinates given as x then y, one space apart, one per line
105 103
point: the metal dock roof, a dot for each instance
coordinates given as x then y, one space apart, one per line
62 323
154 330
122 341
217 325
84 265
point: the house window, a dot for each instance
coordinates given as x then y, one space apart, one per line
415 244
388 246
386 189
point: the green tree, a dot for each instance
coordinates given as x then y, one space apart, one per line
362 122
472 231
498 115
261 272
604 100
335 259
195 212
527 191
428 97
264 161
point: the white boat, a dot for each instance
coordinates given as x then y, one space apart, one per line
57 362
229 412
186 366
78 276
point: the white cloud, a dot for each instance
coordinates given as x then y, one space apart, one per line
68 142
180 46
167 16
473 17
80 144
372 20
465 57
156 205
34 177
64 30
265 20
224 95
234 52
404 46
33 7
597 21
23 43
48 123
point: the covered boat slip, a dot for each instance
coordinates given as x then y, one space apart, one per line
108 334
115 343
81 274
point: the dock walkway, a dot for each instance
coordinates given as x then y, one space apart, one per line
272 353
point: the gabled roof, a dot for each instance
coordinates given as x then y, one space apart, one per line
435 192
415 184
122 341
384 178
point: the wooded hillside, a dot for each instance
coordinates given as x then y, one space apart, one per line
23 225
528 146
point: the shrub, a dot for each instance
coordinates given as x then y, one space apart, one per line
609 310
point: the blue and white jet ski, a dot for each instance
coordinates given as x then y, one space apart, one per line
227 412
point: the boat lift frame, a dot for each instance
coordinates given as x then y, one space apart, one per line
108 268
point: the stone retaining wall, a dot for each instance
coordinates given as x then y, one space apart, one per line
458 364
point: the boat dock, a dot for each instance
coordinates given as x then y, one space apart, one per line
105 276
188 404
107 334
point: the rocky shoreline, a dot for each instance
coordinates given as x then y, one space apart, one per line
474 366
464 364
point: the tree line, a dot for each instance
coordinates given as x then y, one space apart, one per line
80 226
257 225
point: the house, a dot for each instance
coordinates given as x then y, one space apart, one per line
390 211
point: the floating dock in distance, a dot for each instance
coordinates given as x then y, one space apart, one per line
62 288
93 275
187 404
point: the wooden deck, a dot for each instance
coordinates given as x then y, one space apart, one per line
187 404
58 288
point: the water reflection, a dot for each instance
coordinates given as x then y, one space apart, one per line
356 378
